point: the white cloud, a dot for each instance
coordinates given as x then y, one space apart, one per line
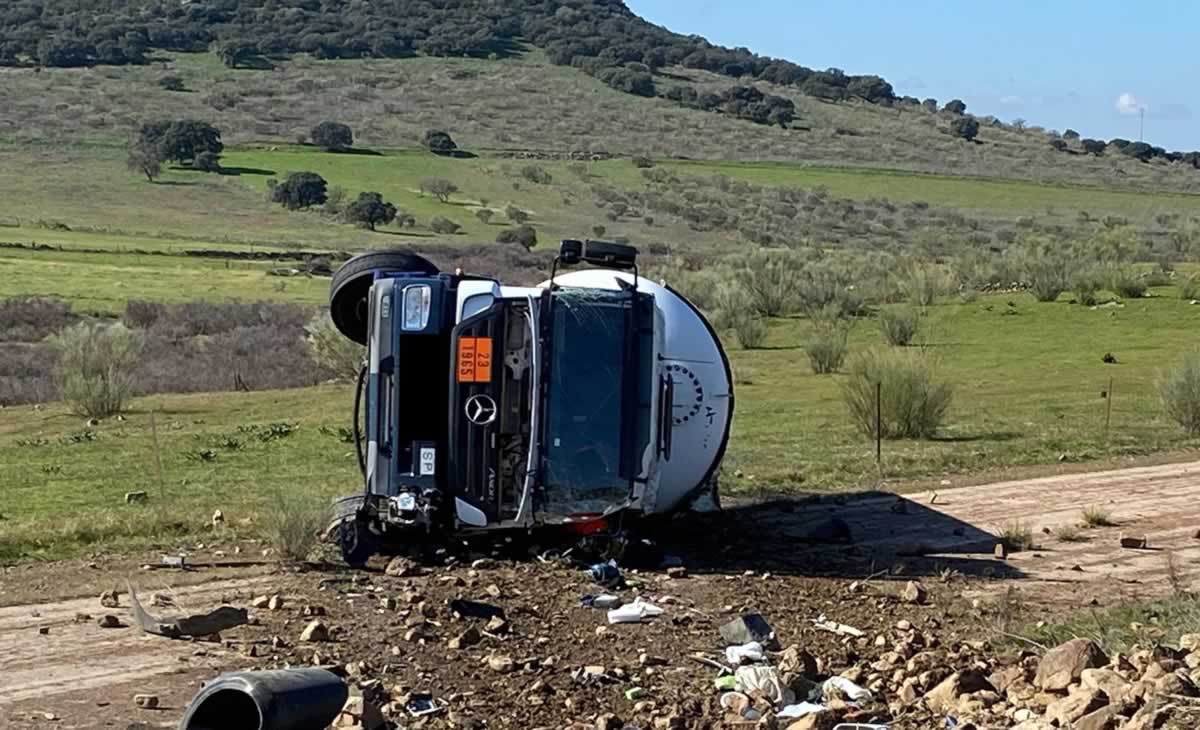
1011 100
1129 104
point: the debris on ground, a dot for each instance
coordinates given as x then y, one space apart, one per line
146 701
632 613
833 626
110 599
176 627
747 628
606 574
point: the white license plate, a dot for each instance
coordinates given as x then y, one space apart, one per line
428 461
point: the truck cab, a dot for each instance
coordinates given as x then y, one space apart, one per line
492 407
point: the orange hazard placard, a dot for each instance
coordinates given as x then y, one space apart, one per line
474 359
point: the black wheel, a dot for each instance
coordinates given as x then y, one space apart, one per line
352 282
356 542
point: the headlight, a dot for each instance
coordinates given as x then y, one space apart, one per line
416 307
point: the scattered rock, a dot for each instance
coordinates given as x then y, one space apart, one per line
1134 543
218 519
798 661
944 697
649 660
483 564
914 592
110 599
496 625
146 702
493 590
108 621
260 602
1063 665
470 637
609 721
136 497
677 572
276 602
1190 642
500 663
747 628
310 611
1000 551
387 603
44 630
316 631
402 567
1080 702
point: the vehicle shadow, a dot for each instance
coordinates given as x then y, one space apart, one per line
849 535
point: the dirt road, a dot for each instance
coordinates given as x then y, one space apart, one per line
85 676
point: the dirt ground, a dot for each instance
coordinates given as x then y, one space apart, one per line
845 556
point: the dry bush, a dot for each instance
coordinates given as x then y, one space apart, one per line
733 309
772 278
1017 536
827 346
1068 533
1047 267
1190 288
32 319
899 325
336 355
913 404
294 526
1096 516
1126 283
27 373
96 366
1085 284
922 284
1179 391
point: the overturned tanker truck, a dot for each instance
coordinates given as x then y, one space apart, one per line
594 397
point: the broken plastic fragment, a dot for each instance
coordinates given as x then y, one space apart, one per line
633 613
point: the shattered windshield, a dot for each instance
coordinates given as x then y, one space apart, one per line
594 401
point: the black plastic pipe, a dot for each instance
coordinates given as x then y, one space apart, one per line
281 699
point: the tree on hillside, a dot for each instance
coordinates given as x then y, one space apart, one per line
439 188
181 140
235 53
955 106
300 190
1070 134
332 136
370 210
964 127
1093 146
445 226
484 215
515 214
438 142
930 105
145 159
525 236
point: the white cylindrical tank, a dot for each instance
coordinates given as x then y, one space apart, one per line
703 406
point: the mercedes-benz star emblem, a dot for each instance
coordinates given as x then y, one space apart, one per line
481 409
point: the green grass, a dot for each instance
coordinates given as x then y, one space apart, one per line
1121 628
1027 392
103 283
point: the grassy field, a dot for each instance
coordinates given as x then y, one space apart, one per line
186 210
102 282
1027 391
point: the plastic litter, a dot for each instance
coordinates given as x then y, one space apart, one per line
800 709
606 574
860 726
726 683
605 601
840 685
842 629
633 613
281 699
635 693
729 699
747 628
422 705
766 680
745 654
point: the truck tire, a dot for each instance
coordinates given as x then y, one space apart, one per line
352 282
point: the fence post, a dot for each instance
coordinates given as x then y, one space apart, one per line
1108 409
162 490
879 423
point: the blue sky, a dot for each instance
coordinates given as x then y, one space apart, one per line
1086 65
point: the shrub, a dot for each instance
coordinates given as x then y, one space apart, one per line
1179 389
438 142
515 214
332 136
294 526
734 310
1095 516
1085 284
1017 536
922 284
439 188
1126 283
96 365
207 162
337 356
1047 266
31 319
899 325
826 347
484 215
536 174
825 287
964 127
642 162
1190 288
913 402
771 278
525 236
171 83
445 226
